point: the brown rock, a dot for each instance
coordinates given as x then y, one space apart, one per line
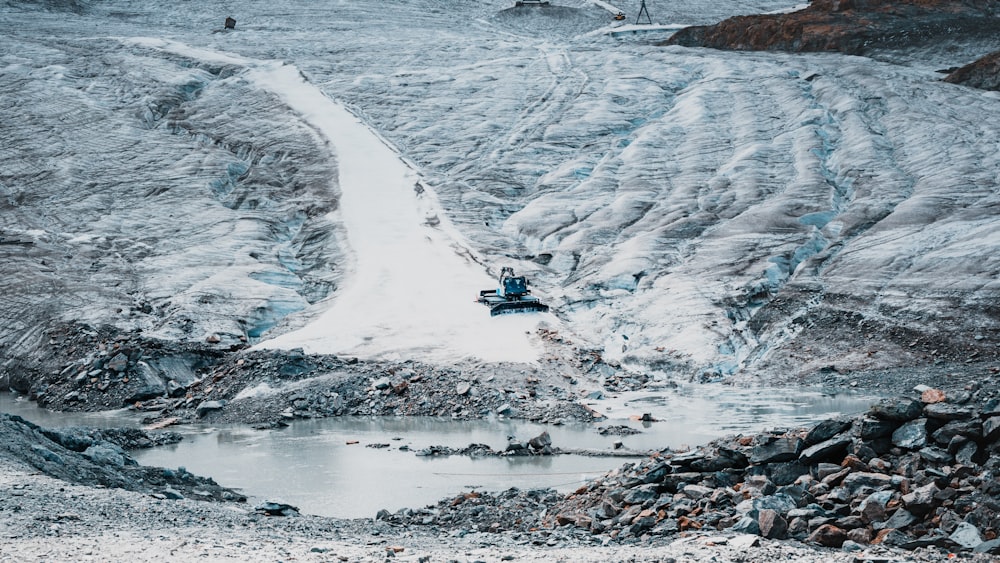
828 535
772 525
931 396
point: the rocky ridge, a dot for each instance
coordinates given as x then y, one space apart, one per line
847 26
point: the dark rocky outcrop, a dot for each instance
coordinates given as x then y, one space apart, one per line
98 458
847 26
983 73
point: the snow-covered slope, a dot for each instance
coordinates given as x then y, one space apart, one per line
682 208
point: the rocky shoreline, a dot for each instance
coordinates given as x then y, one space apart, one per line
914 477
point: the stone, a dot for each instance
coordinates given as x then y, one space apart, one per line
381 383
462 388
826 430
991 429
641 494
947 411
873 508
966 452
105 455
833 448
991 546
276 509
828 535
966 535
746 525
920 501
873 428
773 449
931 396
696 492
118 363
991 408
772 525
206 407
900 410
787 473
968 428
899 520
935 455
540 442
857 480
912 435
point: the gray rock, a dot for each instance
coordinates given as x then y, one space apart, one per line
912 435
826 430
966 452
935 455
947 411
118 363
991 408
641 494
746 525
966 535
830 449
900 410
991 429
969 428
857 480
992 547
381 383
899 520
696 492
206 407
773 449
873 428
462 388
920 501
772 525
105 455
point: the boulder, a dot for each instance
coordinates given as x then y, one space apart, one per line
206 407
947 411
920 501
991 429
966 535
912 435
833 448
873 428
828 535
900 410
772 525
826 430
774 449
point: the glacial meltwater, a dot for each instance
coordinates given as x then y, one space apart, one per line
351 467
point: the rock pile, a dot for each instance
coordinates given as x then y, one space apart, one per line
909 473
89 457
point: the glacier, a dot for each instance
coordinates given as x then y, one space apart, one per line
682 210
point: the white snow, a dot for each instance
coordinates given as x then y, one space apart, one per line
189 181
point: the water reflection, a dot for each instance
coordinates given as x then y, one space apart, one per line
355 466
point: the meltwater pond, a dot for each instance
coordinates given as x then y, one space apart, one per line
354 466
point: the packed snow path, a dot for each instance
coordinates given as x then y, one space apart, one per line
413 286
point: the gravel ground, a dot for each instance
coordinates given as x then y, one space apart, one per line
44 519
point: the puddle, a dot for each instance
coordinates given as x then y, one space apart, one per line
314 465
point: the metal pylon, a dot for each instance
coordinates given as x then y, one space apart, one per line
643 10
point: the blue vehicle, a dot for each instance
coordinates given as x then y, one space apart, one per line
511 296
